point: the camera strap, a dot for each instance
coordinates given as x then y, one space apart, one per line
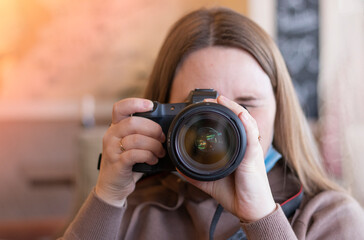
289 207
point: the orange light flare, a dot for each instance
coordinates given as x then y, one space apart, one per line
19 22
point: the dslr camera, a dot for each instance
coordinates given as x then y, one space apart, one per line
205 141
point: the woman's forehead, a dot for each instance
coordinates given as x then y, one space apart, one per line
230 71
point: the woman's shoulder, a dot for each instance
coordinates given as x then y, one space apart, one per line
329 215
331 200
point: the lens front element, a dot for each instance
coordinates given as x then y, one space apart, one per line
207 139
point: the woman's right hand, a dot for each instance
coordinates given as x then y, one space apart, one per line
142 141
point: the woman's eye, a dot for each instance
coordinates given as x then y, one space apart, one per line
246 105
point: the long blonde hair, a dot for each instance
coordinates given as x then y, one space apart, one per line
224 27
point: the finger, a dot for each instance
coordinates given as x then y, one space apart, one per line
128 106
233 106
138 125
112 153
133 156
111 149
250 125
137 141
241 112
214 100
253 148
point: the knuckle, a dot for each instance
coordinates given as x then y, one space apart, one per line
131 122
105 139
257 134
115 108
254 122
108 150
130 154
133 140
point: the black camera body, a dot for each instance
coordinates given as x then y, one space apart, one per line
205 141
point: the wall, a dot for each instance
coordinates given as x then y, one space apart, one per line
341 90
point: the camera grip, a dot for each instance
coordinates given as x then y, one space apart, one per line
163 165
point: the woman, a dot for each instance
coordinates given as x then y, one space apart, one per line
223 50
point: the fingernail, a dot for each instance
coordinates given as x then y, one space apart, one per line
163 137
222 98
240 116
148 104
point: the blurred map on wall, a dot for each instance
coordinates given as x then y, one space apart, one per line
298 40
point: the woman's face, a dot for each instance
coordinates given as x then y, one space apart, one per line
235 74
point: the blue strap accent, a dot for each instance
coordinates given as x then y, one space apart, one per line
271 158
239 235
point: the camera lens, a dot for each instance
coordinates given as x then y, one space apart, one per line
208 141
205 142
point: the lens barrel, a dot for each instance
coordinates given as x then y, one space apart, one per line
206 141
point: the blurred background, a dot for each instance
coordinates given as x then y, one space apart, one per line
64 63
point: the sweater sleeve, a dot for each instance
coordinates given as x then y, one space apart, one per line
95 220
273 226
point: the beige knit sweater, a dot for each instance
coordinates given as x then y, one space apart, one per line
164 207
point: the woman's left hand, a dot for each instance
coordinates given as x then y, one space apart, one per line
245 193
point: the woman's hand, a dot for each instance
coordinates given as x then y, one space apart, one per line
128 141
245 193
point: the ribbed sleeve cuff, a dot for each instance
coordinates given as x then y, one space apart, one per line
96 220
273 226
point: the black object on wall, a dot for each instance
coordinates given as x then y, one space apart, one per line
298 40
